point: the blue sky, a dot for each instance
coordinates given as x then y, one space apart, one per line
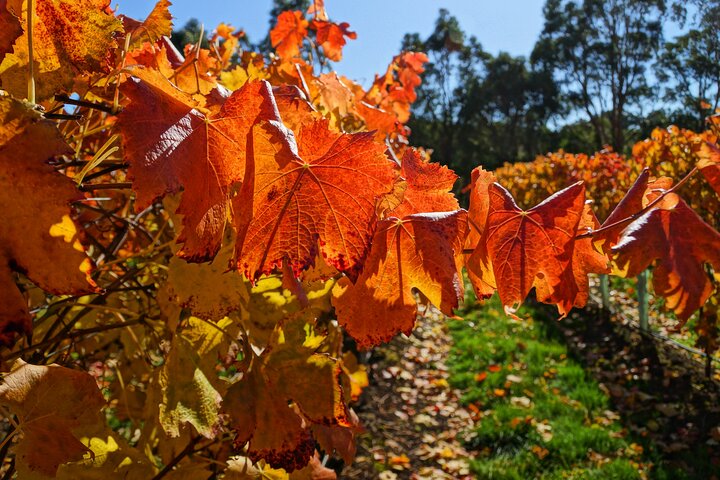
505 25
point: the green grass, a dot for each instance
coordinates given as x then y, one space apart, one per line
540 416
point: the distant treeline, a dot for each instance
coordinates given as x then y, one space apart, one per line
601 74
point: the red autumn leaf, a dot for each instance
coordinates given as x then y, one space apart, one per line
428 186
478 264
631 204
288 34
173 144
326 194
259 410
331 37
680 243
420 252
586 259
534 247
38 237
709 164
10 28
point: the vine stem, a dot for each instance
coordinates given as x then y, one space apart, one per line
186 451
71 336
31 63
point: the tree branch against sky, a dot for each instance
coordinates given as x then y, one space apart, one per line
600 53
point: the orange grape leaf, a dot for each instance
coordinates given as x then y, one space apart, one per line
37 227
158 24
534 247
51 403
288 34
173 144
428 188
70 37
680 243
326 194
294 108
586 259
419 252
478 264
709 164
331 37
10 27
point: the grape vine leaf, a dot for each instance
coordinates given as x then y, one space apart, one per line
317 10
171 144
294 107
208 290
325 193
188 379
158 24
70 37
109 457
422 252
51 402
709 164
242 468
35 231
288 34
631 204
534 247
680 243
428 187
258 406
586 259
331 37
478 264
339 439
10 27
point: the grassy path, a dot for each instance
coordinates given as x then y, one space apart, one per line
538 414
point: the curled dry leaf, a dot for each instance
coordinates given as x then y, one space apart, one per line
52 403
35 231
158 24
709 164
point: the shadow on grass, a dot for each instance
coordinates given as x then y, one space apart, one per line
544 405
